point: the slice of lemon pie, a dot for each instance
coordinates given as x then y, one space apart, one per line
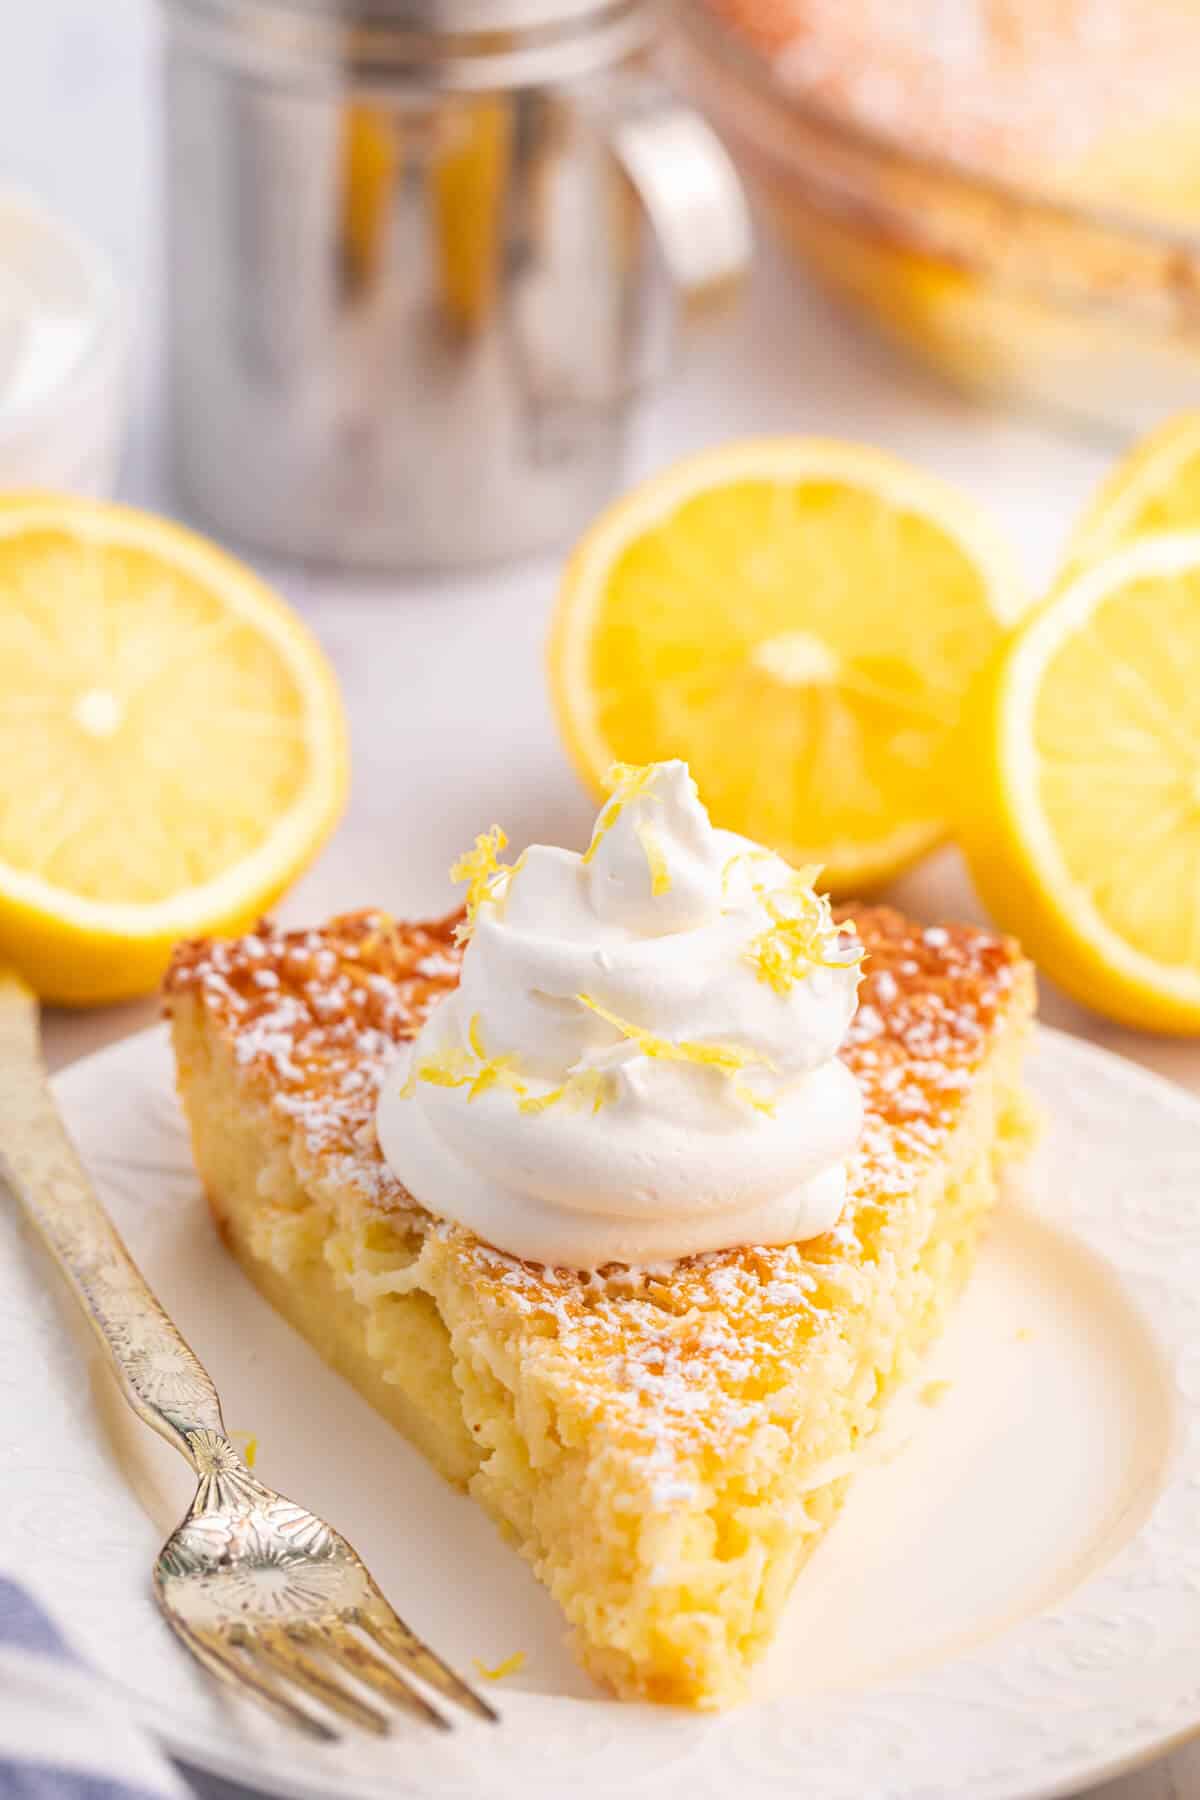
607 1196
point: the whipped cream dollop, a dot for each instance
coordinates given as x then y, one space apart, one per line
640 1060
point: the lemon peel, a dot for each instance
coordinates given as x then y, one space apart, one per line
482 871
467 1066
656 857
470 1066
576 1090
249 1446
626 782
726 1059
492 1069
512 1665
801 937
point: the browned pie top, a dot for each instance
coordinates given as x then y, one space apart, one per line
315 1015
675 1364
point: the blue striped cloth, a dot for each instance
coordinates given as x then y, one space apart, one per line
64 1733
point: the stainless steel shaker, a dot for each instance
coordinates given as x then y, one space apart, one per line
423 256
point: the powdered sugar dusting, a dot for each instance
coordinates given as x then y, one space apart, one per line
313 1019
691 1357
672 1362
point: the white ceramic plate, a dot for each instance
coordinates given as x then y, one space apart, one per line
1007 1608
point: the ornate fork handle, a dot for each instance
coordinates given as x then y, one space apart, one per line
164 1381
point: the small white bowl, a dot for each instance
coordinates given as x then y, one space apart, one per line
63 355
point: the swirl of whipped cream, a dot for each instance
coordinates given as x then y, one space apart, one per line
640 1060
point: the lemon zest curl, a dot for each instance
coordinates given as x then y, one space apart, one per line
626 782
511 1665
656 858
726 1059
802 935
487 878
577 1090
470 1066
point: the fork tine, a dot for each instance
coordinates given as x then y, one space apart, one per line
234 1671
285 1656
393 1635
343 1647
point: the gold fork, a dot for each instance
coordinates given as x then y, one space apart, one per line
268 1597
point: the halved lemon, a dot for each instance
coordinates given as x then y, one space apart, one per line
799 619
172 748
1081 804
1156 487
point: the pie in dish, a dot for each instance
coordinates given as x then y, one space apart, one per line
665 1445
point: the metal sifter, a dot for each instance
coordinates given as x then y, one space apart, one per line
423 257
